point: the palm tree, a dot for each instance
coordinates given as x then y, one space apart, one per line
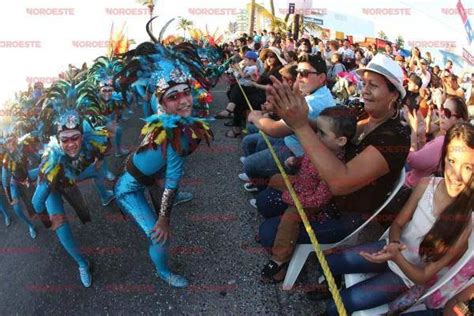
382 35
400 41
252 17
184 25
272 7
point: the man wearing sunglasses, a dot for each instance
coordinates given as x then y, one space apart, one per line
311 81
75 158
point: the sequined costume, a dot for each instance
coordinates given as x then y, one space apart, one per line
59 175
167 139
18 176
152 70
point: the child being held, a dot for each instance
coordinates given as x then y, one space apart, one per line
336 126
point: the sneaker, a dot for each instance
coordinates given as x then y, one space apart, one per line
253 202
32 231
173 280
7 220
244 177
122 153
250 187
183 197
242 159
109 198
85 275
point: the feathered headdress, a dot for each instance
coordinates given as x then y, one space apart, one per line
152 68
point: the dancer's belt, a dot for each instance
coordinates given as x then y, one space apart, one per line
137 174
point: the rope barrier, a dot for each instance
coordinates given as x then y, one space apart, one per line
314 241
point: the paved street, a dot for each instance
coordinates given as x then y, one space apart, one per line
212 245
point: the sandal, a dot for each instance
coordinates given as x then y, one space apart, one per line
233 134
271 269
225 114
230 124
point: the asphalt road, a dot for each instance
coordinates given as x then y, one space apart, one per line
212 245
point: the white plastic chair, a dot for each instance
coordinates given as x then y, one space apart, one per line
302 251
351 279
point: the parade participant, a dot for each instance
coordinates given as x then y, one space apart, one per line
18 175
3 209
167 139
75 157
111 104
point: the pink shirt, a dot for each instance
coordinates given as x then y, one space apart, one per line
311 190
424 162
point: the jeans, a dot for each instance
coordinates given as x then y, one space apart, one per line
329 228
254 143
375 291
261 165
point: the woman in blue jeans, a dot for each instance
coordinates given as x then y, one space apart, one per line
430 232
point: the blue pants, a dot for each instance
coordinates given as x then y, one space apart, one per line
261 166
329 228
55 208
378 290
130 196
15 193
254 142
3 207
98 177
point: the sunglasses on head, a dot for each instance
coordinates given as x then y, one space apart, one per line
305 72
447 113
72 138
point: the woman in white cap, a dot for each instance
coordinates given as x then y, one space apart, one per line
374 160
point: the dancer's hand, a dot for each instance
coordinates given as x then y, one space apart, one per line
161 231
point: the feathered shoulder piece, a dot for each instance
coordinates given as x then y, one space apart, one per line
165 129
50 166
97 140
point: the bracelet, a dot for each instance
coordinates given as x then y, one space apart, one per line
395 241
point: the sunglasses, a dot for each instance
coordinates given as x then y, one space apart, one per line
271 56
73 138
305 72
107 90
447 113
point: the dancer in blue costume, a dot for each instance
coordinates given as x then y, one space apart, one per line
3 209
167 138
111 103
18 175
76 157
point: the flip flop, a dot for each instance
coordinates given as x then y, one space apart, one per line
232 134
225 114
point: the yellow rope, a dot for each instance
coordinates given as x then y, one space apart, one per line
314 241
